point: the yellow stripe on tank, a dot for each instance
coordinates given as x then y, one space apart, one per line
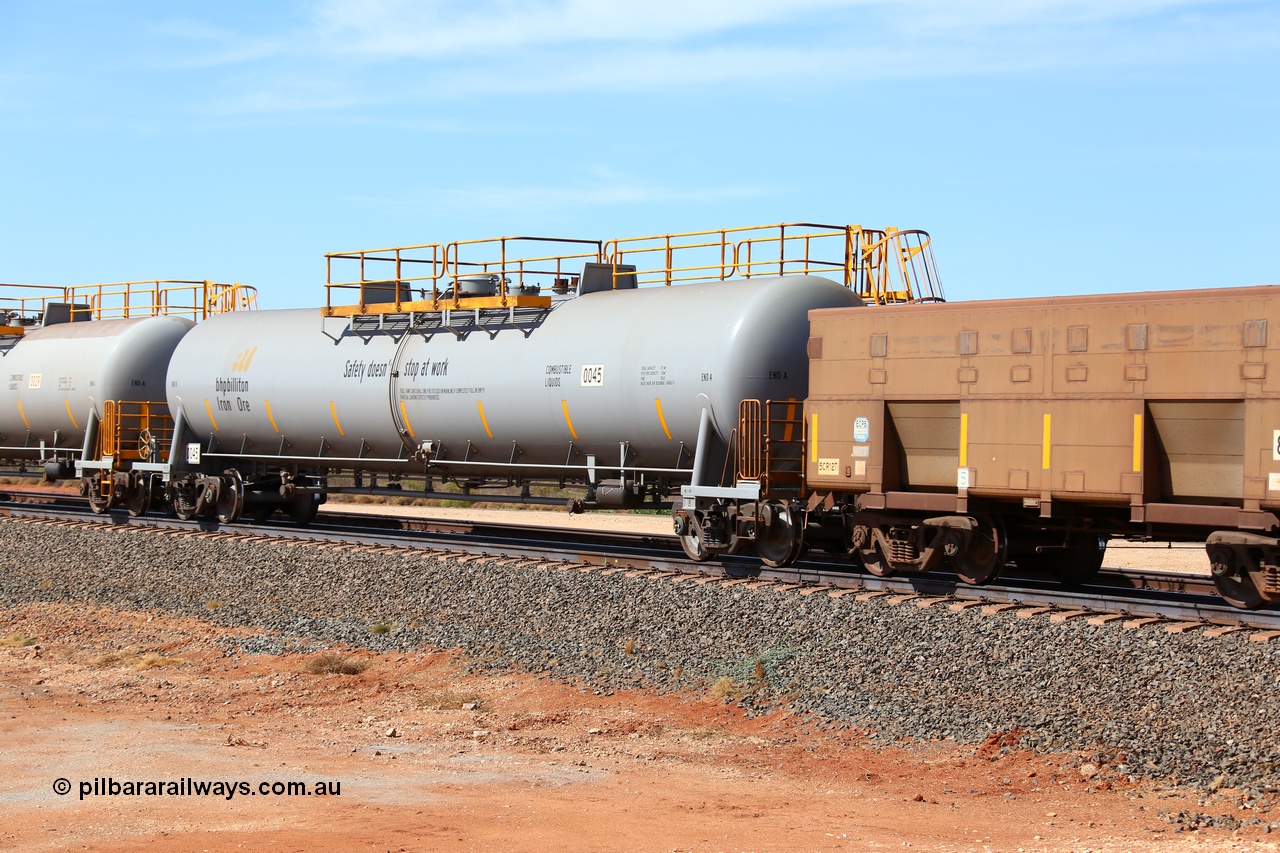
964 440
209 409
564 404
661 419
404 416
483 420
73 417
1044 453
270 417
333 410
23 415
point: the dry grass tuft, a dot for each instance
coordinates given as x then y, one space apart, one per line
725 687
155 661
112 658
17 641
332 663
135 658
449 700
381 628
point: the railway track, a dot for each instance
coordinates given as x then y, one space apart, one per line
1176 601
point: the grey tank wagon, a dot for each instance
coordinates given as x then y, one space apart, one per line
482 369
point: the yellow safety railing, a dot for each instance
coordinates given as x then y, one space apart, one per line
786 249
881 266
898 266
24 305
441 274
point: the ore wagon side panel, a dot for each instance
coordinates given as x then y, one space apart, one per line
1123 399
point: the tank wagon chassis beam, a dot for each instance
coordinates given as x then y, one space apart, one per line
204 483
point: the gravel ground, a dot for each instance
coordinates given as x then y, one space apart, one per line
1140 703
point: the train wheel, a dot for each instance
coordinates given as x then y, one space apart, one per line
1079 563
1234 582
230 501
982 561
693 547
778 540
303 508
137 499
862 541
97 502
874 561
689 534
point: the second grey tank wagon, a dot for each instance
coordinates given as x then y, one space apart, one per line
502 364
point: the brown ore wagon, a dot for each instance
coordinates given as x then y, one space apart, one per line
1032 429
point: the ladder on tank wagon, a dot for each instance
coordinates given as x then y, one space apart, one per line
128 448
771 446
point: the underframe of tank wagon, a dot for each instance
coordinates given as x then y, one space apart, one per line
211 479
270 484
259 483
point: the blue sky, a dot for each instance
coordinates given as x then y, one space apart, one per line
1049 146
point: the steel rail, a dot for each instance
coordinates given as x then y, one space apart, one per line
1162 596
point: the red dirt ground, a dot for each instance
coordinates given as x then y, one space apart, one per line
432 757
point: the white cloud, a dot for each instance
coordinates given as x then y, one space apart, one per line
392 29
388 30
335 56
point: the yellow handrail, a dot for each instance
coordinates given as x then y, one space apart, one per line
879 265
134 431
26 304
512 268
